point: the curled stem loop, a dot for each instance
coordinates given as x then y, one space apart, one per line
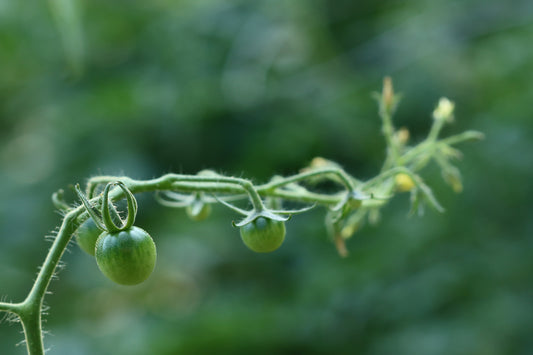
110 225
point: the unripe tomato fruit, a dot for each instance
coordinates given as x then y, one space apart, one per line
263 235
198 214
86 236
126 257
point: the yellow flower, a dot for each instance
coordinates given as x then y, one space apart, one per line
403 182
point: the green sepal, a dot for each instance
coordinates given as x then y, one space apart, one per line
276 215
89 208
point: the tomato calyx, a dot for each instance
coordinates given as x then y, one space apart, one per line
280 215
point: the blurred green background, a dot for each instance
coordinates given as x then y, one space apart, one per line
257 88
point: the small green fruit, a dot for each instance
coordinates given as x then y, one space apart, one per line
86 236
263 235
198 211
126 257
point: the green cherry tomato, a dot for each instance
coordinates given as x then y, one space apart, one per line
263 235
126 257
198 212
86 236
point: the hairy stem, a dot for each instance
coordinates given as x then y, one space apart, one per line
68 227
9 307
31 324
30 310
388 132
346 179
461 137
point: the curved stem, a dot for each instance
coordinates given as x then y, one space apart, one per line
246 185
30 310
58 201
108 209
170 179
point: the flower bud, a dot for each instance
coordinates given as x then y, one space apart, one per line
404 182
453 178
388 99
402 136
319 162
444 110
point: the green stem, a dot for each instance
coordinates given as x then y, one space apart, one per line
30 309
208 187
9 307
31 323
68 227
246 185
58 201
387 174
412 153
461 137
425 150
166 182
435 130
388 132
423 147
307 197
346 179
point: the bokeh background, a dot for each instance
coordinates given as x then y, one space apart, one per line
257 88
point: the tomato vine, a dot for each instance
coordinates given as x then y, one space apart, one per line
126 253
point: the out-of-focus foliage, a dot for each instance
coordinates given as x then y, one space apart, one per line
258 88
